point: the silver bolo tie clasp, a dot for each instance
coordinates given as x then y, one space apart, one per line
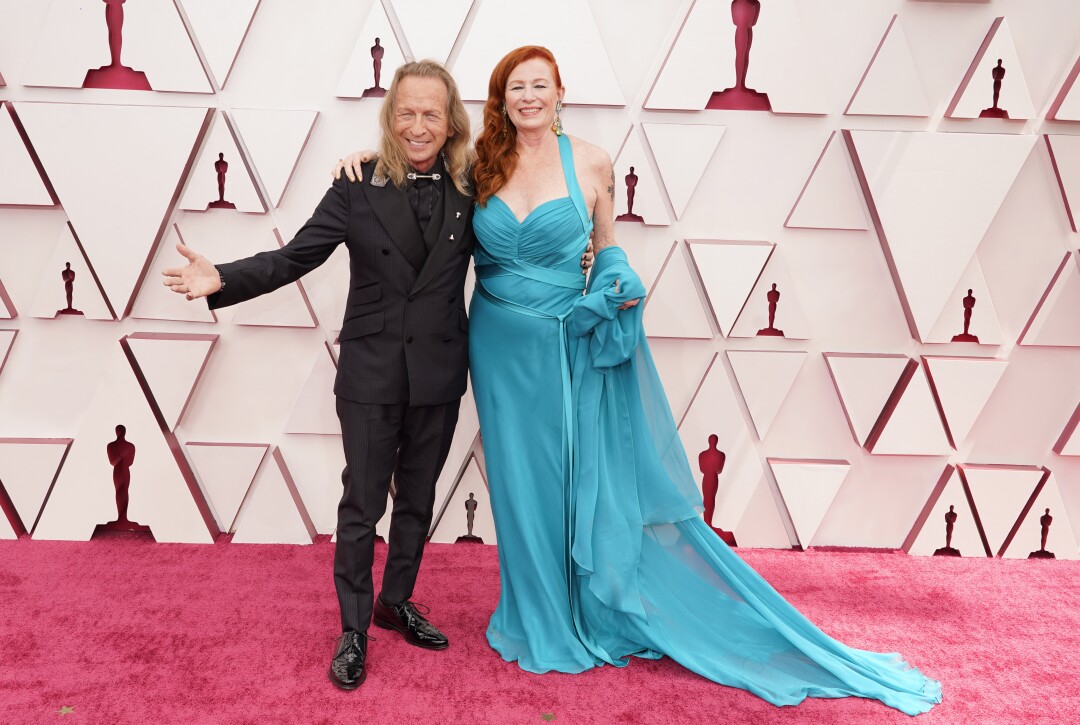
413 176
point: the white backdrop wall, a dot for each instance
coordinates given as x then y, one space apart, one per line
853 429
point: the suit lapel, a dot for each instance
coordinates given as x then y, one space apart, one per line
392 207
451 234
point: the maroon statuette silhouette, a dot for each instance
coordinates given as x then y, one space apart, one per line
950 521
121 454
68 275
116 74
965 336
711 462
470 517
221 167
773 296
744 14
377 52
631 184
1045 520
998 72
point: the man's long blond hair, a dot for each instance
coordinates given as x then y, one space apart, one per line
393 161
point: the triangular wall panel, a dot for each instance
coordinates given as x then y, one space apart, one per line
96 156
911 424
890 86
781 65
1060 533
1065 156
983 324
1056 319
728 272
220 29
315 408
51 298
864 383
272 512
962 386
202 191
975 95
358 79
932 197
20 182
1000 494
28 470
226 472
673 306
1068 443
286 306
7 341
808 488
681 365
765 378
1066 105
154 39
682 171
453 519
158 302
632 166
431 29
929 532
762 526
171 365
274 140
566 27
789 318
830 198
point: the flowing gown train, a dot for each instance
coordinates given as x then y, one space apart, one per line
603 553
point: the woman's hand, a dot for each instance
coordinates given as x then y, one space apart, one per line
629 303
351 164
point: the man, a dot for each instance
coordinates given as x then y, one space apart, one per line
404 346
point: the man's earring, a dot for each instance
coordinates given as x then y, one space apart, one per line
557 125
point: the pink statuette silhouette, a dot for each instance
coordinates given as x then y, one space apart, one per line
377 52
711 462
116 74
744 14
969 306
631 185
998 72
773 296
1044 521
121 455
470 518
950 522
221 167
68 275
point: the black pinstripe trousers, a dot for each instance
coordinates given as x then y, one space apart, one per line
410 444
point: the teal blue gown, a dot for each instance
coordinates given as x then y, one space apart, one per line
603 553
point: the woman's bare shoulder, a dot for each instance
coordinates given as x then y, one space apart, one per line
590 156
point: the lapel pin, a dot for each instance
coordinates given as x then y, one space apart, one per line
451 237
458 215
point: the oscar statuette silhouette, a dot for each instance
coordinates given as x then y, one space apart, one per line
377 52
68 275
969 306
221 167
116 74
773 296
998 72
950 521
744 14
631 184
1044 521
711 462
470 518
121 455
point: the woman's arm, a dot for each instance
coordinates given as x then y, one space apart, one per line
603 179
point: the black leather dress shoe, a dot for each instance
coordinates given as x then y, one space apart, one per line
414 628
347 669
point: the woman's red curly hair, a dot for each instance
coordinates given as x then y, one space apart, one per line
496 146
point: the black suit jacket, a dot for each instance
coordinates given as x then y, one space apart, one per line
404 338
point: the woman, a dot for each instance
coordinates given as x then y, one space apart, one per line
603 553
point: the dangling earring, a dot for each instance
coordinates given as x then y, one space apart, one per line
503 133
557 126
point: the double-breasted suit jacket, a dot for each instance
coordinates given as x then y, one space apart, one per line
404 337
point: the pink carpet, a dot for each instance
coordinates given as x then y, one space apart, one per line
127 631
